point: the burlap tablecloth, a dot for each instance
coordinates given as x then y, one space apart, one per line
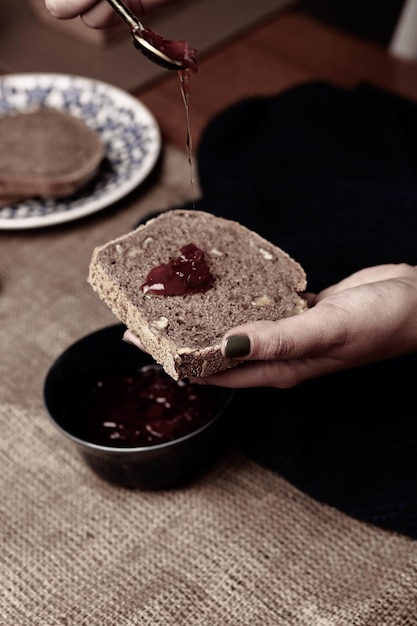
238 546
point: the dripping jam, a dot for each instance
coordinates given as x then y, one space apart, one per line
182 52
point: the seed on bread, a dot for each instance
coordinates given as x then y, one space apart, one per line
161 323
266 255
262 301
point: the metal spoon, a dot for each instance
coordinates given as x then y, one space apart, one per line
137 30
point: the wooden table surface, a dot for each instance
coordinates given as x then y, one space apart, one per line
287 49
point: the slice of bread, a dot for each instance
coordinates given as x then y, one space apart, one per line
253 280
47 153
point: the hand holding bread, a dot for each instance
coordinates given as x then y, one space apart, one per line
339 331
367 317
249 279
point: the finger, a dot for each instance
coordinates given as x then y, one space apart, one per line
279 374
68 9
131 338
368 275
98 13
300 336
102 15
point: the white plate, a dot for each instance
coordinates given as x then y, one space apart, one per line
128 130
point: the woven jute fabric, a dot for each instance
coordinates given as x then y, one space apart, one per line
239 545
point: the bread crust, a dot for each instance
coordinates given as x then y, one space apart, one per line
253 280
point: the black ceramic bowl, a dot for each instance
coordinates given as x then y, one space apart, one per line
94 393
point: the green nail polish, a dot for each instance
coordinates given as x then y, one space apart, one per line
236 346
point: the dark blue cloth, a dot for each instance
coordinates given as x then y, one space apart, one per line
330 175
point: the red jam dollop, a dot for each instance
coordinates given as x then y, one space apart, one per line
145 409
187 274
177 50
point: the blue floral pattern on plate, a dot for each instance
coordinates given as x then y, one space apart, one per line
127 128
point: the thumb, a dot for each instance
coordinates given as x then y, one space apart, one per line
289 338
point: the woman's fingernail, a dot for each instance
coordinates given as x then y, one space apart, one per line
236 346
126 338
129 337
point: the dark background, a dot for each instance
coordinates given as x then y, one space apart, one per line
374 20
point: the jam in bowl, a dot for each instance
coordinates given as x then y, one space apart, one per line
132 423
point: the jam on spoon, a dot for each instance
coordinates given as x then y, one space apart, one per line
172 55
180 53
